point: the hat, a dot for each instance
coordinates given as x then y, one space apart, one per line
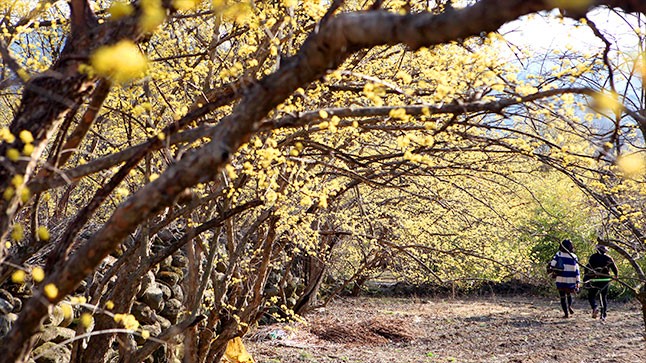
602 248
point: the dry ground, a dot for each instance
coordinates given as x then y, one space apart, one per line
483 329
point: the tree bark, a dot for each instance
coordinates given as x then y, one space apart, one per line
325 49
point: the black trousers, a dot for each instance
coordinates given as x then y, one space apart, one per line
566 301
598 290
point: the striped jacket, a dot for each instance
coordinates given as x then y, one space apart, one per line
570 276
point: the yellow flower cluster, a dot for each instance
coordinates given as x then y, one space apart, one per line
120 62
6 135
127 320
153 15
186 4
120 10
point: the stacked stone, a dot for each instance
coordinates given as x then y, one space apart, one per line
158 306
161 298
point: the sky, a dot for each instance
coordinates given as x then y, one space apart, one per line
546 32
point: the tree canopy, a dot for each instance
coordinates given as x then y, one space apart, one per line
217 162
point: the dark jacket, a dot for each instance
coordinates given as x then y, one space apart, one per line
599 266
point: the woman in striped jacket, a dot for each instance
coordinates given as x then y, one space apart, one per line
565 267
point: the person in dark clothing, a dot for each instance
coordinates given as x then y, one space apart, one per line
564 267
597 278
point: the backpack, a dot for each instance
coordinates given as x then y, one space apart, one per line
556 270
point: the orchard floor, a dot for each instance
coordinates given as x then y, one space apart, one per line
482 329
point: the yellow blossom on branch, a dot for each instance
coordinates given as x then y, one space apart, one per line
186 4
153 15
13 154
43 233
28 149
6 135
87 320
120 62
129 321
119 10
51 291
8 193
632 165
68 311
607 101
26 136
18 233
18 276
38 274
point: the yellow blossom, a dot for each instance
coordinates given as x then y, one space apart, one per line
239 12
13 154
38 274
78 300
405 77
119 10
25 194
51 291
8 193
109 305
306 201
122 192
68 311
607 101
186 4
323 201
153 15
17 180
231 171
43 233
28 149
6 135
120 62
22 73
18 277
86 320
128 321
18 232
26 136
632 165
398 113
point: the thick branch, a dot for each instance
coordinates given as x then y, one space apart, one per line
322 51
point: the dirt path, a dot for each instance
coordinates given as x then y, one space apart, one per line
498 329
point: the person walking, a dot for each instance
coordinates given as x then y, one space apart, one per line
565 268
597 279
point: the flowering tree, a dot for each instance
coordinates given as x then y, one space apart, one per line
242 134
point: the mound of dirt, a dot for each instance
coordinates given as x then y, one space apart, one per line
375 331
